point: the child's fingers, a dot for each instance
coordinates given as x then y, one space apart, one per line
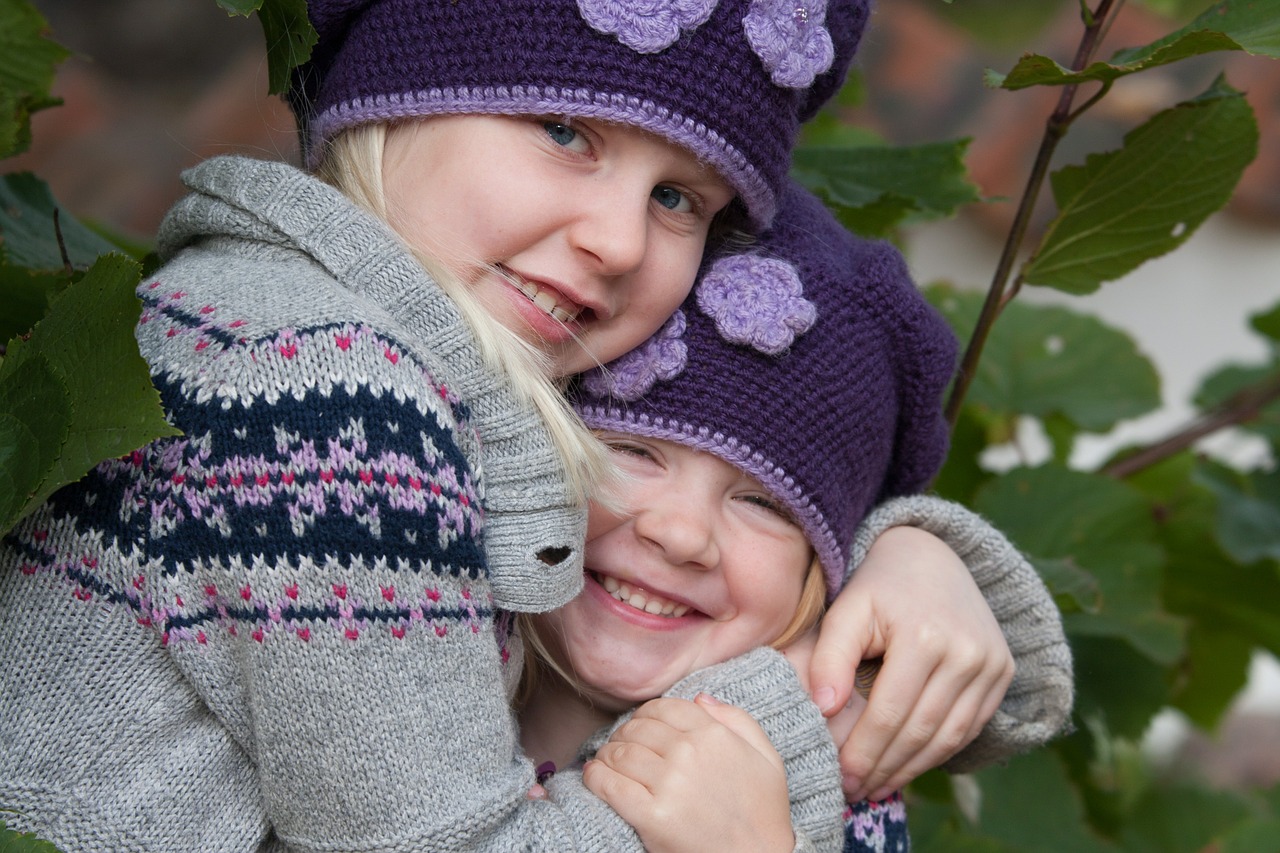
893 702
843 641
739 722
630 799
680 714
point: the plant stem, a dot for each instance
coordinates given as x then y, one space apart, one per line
1055 129
1243 406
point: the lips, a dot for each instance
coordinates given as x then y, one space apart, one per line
546 297
641 599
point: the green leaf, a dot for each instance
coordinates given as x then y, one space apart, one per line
240 7
1228 381
30 237
25 297
1216 670
1104 527
1117 684
1046 361
874 188
1267 322
83 349
25 842
1249 25
1248 516
26 73
1125 207
1253 836
1181 819
1202 583
288 33
1073 588
1051 819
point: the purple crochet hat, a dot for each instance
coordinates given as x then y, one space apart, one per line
726 79
811 362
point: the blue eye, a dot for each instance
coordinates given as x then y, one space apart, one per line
565 134
672 199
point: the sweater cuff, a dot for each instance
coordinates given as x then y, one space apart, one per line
1037 705
763 683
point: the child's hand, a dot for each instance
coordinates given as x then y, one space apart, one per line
946 663
695 776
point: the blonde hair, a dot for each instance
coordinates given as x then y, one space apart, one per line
352 163
540 663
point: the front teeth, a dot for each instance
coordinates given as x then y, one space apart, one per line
542 299
647 602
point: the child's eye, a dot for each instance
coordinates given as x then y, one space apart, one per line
636 450
673 199
777 508
565 134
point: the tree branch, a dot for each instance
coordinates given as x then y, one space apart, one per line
1055 128
1241 407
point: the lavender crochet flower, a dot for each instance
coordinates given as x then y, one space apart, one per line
756 301
791 39
630 376
646 26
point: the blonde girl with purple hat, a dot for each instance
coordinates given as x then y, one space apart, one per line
278 630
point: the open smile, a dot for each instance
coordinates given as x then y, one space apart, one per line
550 300
641 599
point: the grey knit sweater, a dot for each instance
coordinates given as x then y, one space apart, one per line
279 628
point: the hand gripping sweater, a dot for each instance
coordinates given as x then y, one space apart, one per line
278 628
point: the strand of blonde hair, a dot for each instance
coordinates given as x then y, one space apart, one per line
353 164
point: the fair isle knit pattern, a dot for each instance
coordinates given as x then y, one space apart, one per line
301 486
278 629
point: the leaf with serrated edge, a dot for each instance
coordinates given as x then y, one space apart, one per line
87 340
26 72
35 415
1252 26
1125 207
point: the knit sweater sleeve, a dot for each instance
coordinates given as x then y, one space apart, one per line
334 604
1037 705
763 683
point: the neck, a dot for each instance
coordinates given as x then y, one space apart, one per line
557 720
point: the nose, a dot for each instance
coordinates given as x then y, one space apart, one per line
680 526
612 228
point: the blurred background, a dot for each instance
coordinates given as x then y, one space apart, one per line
154 86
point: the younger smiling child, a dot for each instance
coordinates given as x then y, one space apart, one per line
796 388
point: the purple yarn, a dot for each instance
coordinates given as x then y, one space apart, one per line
630 376
848 414
682 69
791 39
756 301
648 26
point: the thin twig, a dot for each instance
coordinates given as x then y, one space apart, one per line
1055 128
1241 407
62 244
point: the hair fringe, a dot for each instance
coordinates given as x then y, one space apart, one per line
352 163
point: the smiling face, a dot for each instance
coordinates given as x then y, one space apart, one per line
582 237
705 565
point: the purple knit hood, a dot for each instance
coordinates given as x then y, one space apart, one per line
726 79
811 362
